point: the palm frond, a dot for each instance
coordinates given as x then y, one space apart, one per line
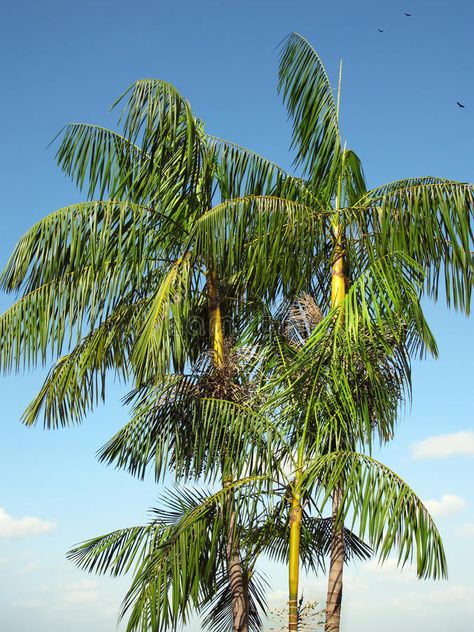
430 221
155 348
161 430
90 234
77 382
353 177
383 507
239 235
100 159
182 571
119 551
310 103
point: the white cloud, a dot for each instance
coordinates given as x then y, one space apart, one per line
31 567
443 446
34 602
447 506
374 566
466 529
455 595
277 597
22 527
390 570
84 591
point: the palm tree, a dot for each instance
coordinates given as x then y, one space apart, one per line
427 221
177 559
313 435
163 252
116 282
335 388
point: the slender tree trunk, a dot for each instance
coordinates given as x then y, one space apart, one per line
336 569
336 566
294 557
238 588
237 584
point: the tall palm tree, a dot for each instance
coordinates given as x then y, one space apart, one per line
335 388
163 252
118 281
324 387
428 221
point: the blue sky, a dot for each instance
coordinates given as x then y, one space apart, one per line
67 61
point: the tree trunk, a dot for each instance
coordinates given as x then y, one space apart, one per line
336 569
336 566
238 587
237 584
294 558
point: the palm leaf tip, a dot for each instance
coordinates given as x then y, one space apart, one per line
308 96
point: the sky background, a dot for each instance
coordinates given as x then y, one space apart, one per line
67 61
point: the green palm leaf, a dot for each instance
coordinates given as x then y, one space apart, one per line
105 160
310 103
77 382
430 221
383 507
95 234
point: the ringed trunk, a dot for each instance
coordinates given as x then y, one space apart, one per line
336 567
294 557
238 588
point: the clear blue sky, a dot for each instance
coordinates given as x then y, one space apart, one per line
67 61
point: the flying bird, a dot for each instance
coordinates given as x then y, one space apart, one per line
408 15
380 30
460 104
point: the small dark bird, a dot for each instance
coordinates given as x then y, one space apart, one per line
380 30
408 15
460 104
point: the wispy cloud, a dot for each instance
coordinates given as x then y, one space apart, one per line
31 567
34 602
84 591
443 446
466 529
11 527
447 506
458 595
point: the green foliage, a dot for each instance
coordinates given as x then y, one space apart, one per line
115 285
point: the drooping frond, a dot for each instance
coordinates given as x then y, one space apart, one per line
353 177
76 383
183 423
160 121
386 296
165 329
344 379
183 570
242 172
161 430
430 221
100 159
383 509
239 235
117 552
94 234
53 316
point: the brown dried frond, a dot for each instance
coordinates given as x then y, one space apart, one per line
303 316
